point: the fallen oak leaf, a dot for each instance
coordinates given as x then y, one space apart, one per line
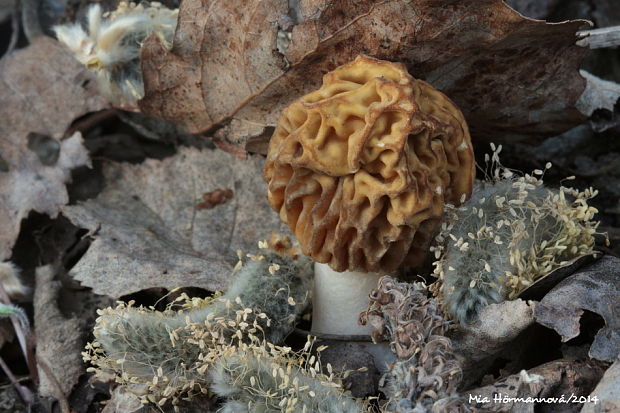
40 98
511 76
148 232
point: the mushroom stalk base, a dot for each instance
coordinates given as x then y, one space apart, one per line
338 300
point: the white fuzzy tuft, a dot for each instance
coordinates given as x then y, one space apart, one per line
9 277
110 45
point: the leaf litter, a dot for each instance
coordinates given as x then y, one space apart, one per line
179 221
147 231
513 77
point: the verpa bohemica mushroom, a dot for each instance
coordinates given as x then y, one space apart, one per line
360 171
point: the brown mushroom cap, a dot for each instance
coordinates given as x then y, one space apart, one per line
360 169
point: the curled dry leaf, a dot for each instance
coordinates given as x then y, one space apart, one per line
542 286
426 374
148 233
597 289
41 98
244 61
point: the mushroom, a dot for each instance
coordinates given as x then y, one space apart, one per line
360 171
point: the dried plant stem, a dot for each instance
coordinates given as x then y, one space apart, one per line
600 38
25 339
23 391
14 32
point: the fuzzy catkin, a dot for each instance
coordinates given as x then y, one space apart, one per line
510 233
146 343
259 383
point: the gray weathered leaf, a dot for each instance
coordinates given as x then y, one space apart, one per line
122 401
596 288
148 232
42 90
607 392
491 336
59 339
599 97
598 94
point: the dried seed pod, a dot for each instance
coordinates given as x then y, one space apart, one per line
360 169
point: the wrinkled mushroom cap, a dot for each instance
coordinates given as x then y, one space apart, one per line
360 169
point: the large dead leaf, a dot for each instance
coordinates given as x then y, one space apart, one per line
244 61
148 231
42 90
596 289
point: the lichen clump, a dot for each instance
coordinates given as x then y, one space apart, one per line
361 168
512 232
427 373
110 45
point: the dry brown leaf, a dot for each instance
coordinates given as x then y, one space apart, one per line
42 90
596 288
148 232
244 61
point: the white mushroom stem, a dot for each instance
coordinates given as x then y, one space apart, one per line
338 300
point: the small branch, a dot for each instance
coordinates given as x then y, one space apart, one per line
25 339
23 391
14 32
30 19
600 38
